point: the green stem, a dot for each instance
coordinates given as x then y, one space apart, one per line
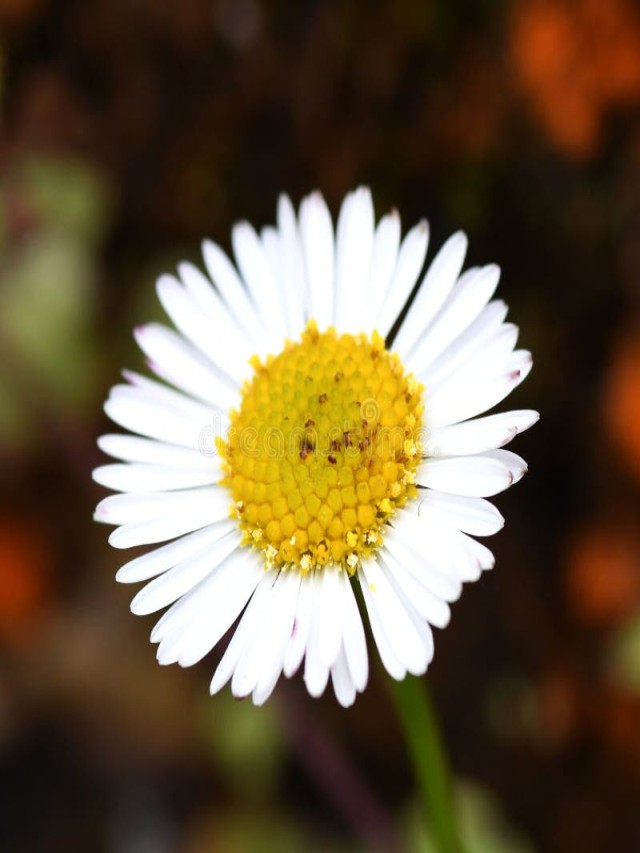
418 721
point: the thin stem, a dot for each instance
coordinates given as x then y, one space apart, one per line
420 728
332 771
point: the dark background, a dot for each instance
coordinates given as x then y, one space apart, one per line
130 130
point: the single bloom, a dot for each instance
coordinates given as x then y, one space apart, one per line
310 450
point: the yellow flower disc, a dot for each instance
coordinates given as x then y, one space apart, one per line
323 449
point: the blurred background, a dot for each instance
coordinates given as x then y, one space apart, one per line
133 128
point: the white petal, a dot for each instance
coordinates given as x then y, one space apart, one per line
225 277
450 552
184 576
468 297
422 628
271 242
215 312
519 419
427 604
316 671
343 685
516 464
217 602
132 448
134 508
152 478
166 556
434 289
400 631
245 631
419 551
354 247
388 656
247 670
469 343
150 389
301 629
176 361
260 663
459 555
228 351
278 638
465 439
471 515
491 359
478 435
174 407
353 636
480 552
256 271
182 613
328 612
472 393
207 299
293 268
316 232
187 425
474 476
410 261
383 263
163 528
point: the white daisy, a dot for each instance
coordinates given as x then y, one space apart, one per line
297 459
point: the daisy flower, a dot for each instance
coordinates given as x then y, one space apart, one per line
310 450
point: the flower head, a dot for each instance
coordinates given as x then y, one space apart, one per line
295 452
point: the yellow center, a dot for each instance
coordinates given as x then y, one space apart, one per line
323 449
